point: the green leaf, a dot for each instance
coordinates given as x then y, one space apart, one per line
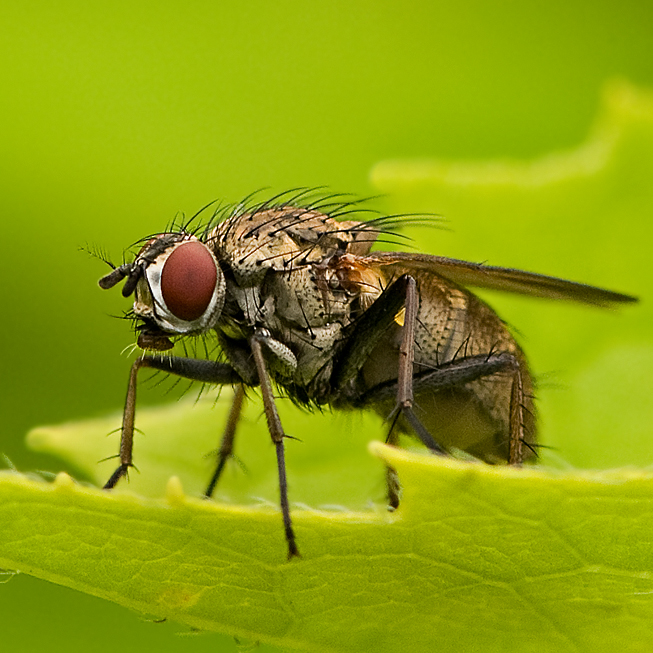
476 557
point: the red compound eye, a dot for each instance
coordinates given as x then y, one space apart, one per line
188 280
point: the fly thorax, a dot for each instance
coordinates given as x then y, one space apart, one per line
283 238
306 300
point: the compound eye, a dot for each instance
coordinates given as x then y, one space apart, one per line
188 280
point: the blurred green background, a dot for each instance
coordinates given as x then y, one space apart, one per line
118 115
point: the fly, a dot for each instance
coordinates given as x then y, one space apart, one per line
297 300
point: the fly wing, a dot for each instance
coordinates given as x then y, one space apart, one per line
494 278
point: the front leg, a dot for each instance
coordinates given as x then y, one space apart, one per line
189 368
277 434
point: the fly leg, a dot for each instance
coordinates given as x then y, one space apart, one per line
405 373
369 331
465 370
405 391
277 435
227 444
392 484
517 435
127 428
457 373
452 375
189 368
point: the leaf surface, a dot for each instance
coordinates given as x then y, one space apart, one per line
477 558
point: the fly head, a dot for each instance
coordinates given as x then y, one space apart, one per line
178 288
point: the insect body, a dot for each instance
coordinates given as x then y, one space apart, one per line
297 299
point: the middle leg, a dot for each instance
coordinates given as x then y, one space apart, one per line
227 444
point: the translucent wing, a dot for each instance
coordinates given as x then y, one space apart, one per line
505 279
